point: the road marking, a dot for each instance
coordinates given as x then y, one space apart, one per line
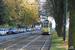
30 42
44 43
11 40
18 42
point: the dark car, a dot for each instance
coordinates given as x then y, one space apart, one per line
14 30
8 31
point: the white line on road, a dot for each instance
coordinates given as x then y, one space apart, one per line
30 42
18 43
44 43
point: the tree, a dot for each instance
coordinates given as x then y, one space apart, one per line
72 24
29 10
12 11
16 11
2 13
57 11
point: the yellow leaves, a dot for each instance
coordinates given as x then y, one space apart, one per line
10 18
17 9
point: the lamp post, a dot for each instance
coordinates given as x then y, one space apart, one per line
65 14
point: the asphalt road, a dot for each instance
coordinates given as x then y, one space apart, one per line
34 41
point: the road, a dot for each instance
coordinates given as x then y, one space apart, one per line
34 41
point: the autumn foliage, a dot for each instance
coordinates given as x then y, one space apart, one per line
17 10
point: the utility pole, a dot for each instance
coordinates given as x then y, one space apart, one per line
65 14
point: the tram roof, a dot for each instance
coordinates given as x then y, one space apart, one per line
46 21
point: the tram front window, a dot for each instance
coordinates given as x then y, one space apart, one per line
45 24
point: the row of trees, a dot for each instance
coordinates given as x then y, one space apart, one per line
56 8
14 11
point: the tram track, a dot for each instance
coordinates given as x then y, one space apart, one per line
7 48
17 38
38 44
30 43
8 43
27 42
44 44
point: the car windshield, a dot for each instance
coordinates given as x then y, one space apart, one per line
1 29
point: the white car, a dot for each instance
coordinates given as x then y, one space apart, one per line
20 30
29 29
3 31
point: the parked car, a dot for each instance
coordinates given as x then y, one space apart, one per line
2 31
14 30
23 30
38 28
20 30
34 28
29 29
8 31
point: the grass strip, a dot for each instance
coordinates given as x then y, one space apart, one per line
57 43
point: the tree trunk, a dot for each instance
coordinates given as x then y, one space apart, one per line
72 30
59 18
71 40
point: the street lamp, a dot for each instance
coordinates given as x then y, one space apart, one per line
65 14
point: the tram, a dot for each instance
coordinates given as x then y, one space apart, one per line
46 27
